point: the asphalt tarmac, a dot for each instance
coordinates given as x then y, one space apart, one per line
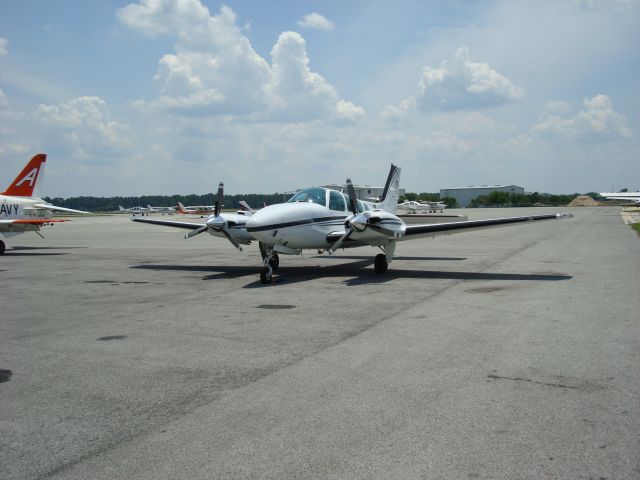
510 353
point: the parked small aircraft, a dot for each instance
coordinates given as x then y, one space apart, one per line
417 207
196 210
133 210
627 196
325 220
168 210
20 211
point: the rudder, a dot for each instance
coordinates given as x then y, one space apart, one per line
27 180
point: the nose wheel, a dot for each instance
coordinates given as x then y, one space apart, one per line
266 275
271 263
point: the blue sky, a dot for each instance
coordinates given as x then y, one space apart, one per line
173 96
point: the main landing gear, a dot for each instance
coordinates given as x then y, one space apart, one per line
2 247
382 260
271 263
380 264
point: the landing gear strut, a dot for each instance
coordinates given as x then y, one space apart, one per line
1 247
271 263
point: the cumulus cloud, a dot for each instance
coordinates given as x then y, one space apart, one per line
461 84
157 17
84 127
297 92
598 121
215 70
316 21
3 46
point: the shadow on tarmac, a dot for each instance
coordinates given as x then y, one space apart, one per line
19 251
358 272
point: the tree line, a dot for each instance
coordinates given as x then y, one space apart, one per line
110 204
503 199
258 200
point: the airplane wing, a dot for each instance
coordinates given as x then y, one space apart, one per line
48 206
432 230
26 225
165 223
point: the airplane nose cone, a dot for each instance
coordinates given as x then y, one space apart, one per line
216 222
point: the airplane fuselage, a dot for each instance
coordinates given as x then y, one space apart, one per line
17 208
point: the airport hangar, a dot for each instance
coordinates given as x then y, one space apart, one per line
464 195
364 192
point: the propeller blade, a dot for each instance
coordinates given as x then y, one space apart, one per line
353 202
233 241
197 231
218 205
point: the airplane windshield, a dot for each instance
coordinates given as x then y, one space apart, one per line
311 195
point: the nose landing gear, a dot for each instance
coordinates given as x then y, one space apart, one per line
271 263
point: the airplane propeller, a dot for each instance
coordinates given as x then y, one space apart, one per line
353 206
216 222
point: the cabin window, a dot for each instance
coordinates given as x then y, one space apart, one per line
336 201
311 195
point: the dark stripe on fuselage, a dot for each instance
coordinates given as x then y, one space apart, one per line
307 221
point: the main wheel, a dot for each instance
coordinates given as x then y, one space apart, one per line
266 275
381 263
275 261
1 247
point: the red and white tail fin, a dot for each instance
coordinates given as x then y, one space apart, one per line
26 182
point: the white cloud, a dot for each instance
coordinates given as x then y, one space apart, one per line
598 121
83 127
298 93
3 46
3 99
157 17
461 84
316 21
215 70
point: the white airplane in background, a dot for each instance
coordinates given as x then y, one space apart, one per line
133 210
627 196
161 209
416 207
326 220
20 211
228 225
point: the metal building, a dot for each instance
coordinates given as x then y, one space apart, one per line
364 192
464 195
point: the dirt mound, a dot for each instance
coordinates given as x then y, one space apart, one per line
583 201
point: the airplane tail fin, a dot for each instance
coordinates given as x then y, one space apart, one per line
29 178
388 201
181 207
121 209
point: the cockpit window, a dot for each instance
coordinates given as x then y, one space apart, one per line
311 195
336 201
362 206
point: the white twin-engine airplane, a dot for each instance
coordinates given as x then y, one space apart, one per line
415 207
20 211
326 220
